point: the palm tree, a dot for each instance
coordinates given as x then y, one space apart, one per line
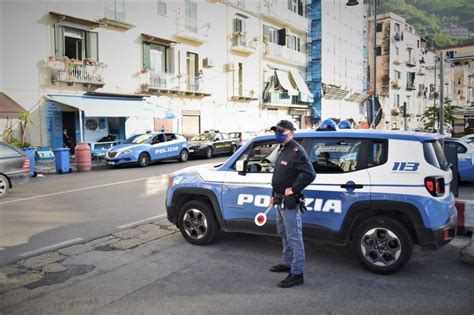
25 121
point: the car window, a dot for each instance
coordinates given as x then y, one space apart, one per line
260 157
335 155
225 136
170 136
217 137
461 148
434 154
378 152
6 151
142 138
202 137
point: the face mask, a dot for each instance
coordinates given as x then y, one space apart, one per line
280 138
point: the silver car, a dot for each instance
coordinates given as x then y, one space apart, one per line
14 168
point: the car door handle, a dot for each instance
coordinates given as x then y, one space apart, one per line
352 186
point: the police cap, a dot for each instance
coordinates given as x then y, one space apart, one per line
283 125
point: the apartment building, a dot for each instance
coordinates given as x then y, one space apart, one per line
405 72
122 67
337 69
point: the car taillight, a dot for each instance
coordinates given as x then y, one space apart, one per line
170 182
435 185
26 164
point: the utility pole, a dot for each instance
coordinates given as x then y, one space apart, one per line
374 72
441 94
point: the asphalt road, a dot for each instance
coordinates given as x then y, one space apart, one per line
57 210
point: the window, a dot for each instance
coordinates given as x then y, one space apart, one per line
397 51
378 153
271 33
434 154
410 80
218 137
260 157
170 136
336 155
158 58
191 16
294 42
75 43
409 54
397 28
225 136
161 7
293 5
396 74
379 27
240 28
397 100
379 51
7 151
461 148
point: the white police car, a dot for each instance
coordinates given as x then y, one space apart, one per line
381 192
143 149
465 159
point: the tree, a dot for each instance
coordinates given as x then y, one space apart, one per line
25 121
431 115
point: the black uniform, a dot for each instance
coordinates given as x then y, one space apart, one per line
292 169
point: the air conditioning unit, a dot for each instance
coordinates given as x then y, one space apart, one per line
207 63
230 66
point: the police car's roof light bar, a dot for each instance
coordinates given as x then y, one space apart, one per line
327 125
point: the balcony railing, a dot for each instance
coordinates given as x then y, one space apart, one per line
114 14
239 93
411 86
83 72
282 98
175 84
285 54
191 29
240 44
278 11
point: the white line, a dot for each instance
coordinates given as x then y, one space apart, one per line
74 190
50 247
141 221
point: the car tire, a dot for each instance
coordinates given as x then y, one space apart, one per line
143 159
4 186
382 245
197 223
183 155
209 152
233 149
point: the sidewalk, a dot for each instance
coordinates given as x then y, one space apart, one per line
50 168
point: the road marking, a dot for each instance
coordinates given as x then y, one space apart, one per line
75 190
50 247
141 221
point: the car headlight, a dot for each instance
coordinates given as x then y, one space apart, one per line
124 152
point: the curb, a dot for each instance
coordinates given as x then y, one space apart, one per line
50 168
467 253
465 210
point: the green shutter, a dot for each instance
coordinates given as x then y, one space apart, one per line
146 55
58 40
170 59
92 45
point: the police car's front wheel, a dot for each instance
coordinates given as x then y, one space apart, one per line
382 245
183 155
144 159
197 223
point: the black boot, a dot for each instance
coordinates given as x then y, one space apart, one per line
291 280
280 268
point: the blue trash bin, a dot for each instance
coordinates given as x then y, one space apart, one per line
61 160
31 153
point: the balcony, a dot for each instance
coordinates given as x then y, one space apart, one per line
86 72
411 62
397 61
395 111
191 29
241 45
277 11
422 71
115 18
396 84
170 83
411 86
240 94
284 54
282 99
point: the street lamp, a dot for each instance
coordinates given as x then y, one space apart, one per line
370 109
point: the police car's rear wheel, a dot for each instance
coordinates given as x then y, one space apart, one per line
382 245
209 152
197 223
183 155
143 159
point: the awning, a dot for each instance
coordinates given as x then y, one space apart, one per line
306 95
95 106
285 83
9 108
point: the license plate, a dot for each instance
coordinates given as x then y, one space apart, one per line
191 150
110 163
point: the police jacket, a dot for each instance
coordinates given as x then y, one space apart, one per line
292 169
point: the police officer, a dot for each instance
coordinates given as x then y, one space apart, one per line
292 173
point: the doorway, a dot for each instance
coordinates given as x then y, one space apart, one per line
69 126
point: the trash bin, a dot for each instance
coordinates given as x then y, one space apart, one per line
31 154
61 157
83 157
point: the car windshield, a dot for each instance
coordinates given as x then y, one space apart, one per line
203 137
137 139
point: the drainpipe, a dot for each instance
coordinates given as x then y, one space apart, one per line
81 131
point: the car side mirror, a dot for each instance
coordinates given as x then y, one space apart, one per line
241 167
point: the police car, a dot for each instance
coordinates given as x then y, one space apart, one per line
210 143
143 149
380 192
465 159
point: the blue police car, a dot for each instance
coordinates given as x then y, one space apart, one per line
143 149
465 152
368 193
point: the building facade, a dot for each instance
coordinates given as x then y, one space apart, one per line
122 67
337 69
404 72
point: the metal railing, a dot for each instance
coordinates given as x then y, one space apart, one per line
114 14
77 71
283 98
173 82
285 53
278 10
190 25
239 91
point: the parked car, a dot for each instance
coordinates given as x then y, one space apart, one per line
210 143
465 159
468 138
242 136
14 168
146 148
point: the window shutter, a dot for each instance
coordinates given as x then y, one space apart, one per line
58 40
243 26
146 55
282 37
92 45
290 5
266 30
300 8
170 60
